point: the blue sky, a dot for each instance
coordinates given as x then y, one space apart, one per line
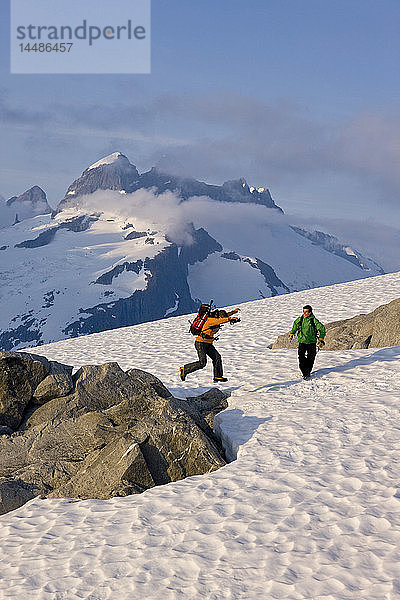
298 96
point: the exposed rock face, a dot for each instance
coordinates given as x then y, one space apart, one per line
210 404
21 376
117 174
113 433
378 329
166 285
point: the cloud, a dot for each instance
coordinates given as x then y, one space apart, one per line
163 211
167 213
370 145
222 136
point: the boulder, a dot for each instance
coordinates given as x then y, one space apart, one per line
20 374
378 329
113 433
56 384
14 493
117 469
210 403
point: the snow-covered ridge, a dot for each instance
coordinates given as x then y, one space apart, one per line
107 160
310 508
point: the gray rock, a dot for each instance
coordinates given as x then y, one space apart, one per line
210 403
152 380
20 374
378 329
58 383
101 475
114 433
14 493
5 430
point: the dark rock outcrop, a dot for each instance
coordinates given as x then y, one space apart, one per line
113 173
25 377
107 278
166 285
112 433
378 329
210 404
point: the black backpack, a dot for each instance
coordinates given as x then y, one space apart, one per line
202 316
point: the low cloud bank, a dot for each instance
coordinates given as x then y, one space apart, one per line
167 212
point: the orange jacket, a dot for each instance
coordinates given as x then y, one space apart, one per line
208 329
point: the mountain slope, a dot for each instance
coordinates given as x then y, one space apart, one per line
111 257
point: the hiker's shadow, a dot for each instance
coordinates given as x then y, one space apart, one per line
235 429
382 355
272 387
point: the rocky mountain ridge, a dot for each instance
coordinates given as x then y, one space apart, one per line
115 172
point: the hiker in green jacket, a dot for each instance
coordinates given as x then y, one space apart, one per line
310 332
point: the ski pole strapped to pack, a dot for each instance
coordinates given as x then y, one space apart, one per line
202 316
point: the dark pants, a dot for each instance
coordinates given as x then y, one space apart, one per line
307 354
204 350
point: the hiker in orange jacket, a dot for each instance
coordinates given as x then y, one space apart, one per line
204 344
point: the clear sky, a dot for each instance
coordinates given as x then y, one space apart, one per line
300 96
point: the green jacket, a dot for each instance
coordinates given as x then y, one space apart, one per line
307 334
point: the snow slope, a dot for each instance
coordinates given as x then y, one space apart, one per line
66 271
310 508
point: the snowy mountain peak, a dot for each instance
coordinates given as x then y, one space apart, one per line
113 172
108 160
35 195
31 203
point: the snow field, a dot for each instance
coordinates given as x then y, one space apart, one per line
310 508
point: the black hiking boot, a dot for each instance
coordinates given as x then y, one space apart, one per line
182 372
306 375
220 379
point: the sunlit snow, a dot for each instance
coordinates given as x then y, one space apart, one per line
310 508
